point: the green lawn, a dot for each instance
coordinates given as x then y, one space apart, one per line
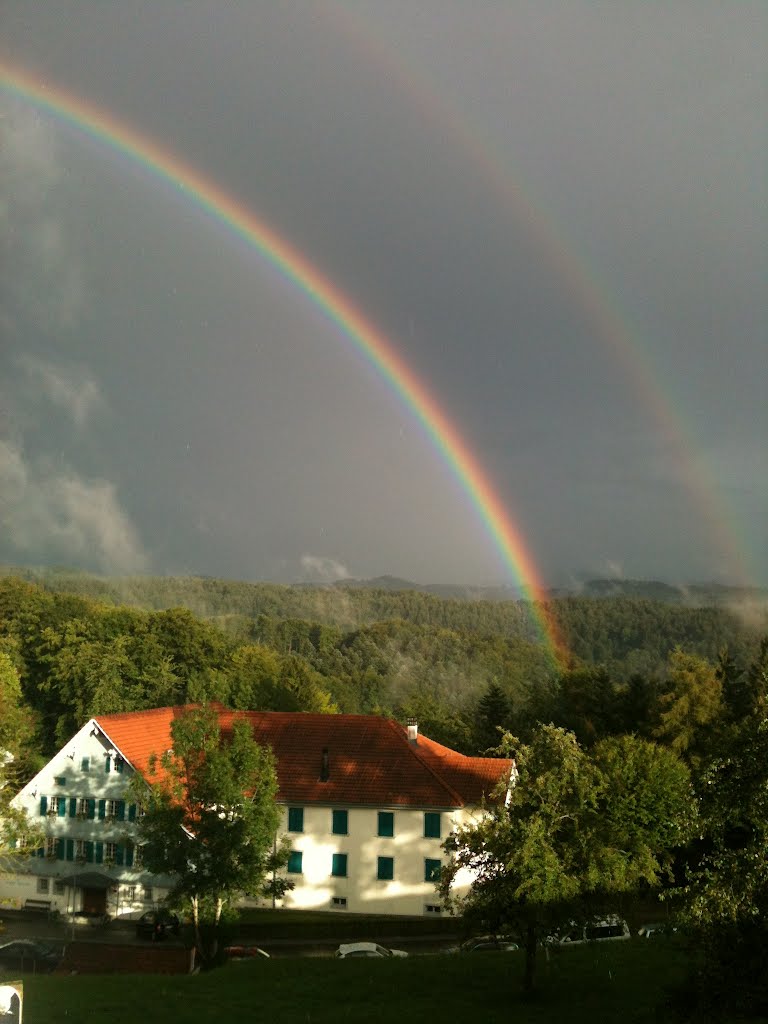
623 982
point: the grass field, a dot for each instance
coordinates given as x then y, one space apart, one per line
625 982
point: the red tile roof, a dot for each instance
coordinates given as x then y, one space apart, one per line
371 761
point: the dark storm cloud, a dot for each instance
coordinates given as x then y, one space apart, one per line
247 438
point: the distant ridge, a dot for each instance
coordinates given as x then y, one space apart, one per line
165 591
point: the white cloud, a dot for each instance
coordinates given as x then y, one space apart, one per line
47 512
71 388
319 569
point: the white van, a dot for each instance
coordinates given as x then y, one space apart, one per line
609 928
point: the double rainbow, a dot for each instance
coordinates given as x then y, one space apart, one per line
337 307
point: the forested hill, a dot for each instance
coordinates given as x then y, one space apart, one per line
614 623
303 649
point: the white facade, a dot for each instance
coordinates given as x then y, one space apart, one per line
359 870
353 858
89 862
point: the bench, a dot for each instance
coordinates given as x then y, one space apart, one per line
40 906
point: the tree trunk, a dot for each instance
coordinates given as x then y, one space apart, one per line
196 921
530 958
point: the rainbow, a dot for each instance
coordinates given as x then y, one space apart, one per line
337 307
611 326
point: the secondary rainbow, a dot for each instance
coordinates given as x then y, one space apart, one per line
336 306
611 325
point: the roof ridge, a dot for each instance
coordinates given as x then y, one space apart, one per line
425 764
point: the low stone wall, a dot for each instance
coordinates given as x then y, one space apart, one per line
103 958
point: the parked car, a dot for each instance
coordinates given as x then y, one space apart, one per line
485 944
347 950
29 955
245 952
653 931
609 928
155 924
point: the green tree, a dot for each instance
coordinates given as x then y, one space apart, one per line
690 706
728 889
568 834
17 761
210 818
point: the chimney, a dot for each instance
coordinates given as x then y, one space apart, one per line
325 770
413 730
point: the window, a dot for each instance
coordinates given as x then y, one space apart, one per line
432 825
80 849
339 903
57 806
138 856
432 870
61 780
43 885
294 862
339 822
85 764
129 893
51 848
82 807
110 851
295 819
339 865
59 888
385 870
386 823
115 809
119 762
432 908
147 894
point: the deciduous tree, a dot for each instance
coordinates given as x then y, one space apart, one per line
210 816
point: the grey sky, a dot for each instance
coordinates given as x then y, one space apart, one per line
556 213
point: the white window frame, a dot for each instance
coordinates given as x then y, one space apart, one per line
110 808
51 847
138 856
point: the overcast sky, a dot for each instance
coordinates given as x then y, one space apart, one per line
555 212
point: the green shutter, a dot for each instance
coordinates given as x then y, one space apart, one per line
70 854
99 853
131 812
119 764
295 819
85 764
386 823
295 862
89 851
62 807
129 855
119 855
120 810
60 849
102 809
40 852
385 869
43 805
339 865
106 763
432 870
91 808
73 807
431 824
339 823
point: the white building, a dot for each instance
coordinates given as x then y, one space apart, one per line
366 803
